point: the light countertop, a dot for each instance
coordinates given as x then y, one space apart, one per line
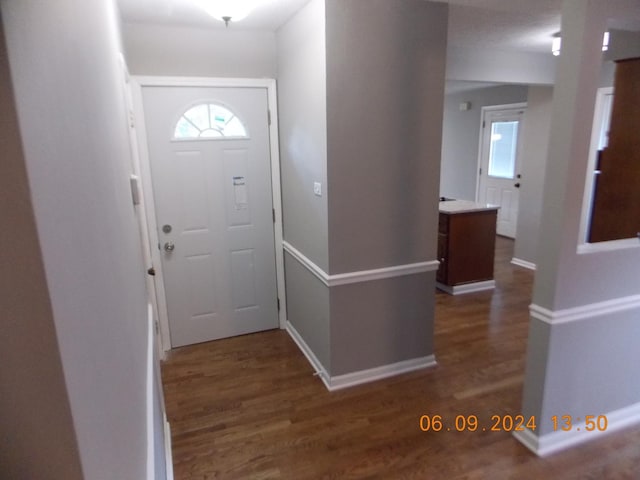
465 206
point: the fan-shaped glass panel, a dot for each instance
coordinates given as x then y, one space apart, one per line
209 120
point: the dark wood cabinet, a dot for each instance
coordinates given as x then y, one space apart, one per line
616 202
466 249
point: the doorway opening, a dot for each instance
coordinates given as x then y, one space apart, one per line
498 181
207 185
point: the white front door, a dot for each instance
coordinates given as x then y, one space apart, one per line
211 175
499 176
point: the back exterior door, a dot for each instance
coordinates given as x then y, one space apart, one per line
211 175
499 180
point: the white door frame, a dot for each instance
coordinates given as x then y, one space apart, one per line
596 133
485 110
138 82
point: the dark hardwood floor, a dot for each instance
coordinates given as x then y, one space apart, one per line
250 408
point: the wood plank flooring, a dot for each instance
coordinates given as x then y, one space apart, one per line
250 408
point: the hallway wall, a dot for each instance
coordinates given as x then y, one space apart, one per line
64 61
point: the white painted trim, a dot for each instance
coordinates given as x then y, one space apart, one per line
611 245
560 440
149 397
587 200
359 276
168 451
467 287
378 373
506 106
528 439
382 273
150 214
523 263
306 262
140 208
311 357
216 82
153 374
137 83
584 312
276 191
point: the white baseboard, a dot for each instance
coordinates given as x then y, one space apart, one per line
168 452
347 380
554 442
311 357
523 263
149 395
378 373
467 287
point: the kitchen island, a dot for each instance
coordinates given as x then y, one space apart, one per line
466 246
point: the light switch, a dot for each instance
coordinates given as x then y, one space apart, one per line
317 188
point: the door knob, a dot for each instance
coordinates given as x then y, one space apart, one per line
169 247
517 185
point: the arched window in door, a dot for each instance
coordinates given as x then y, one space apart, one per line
211 121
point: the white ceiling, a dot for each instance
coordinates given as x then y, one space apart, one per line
268 15
521 25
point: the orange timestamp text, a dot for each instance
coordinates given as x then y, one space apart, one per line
470 423
509 423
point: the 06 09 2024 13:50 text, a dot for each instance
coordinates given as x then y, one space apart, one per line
509 423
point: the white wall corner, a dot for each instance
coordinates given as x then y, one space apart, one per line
320 371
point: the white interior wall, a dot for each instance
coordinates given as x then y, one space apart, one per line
189 51
64 63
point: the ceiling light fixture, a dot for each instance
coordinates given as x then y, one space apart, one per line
557 43
227 10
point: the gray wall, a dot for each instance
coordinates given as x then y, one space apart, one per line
190 51
583 365
308 308
64 63
385 89
535 139
361 87
37 439
381 322
385 84
302 108
461 130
